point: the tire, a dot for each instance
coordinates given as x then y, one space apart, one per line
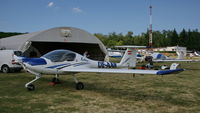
31 87
79 86
56 80
5 69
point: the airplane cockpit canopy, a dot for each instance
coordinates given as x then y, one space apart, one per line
60 55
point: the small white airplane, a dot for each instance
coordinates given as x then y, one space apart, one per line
158 57
64 61
197 53
115 53
120 53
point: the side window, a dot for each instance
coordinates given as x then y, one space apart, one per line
70 57
55 58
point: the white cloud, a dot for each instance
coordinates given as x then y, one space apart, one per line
77 10
50 4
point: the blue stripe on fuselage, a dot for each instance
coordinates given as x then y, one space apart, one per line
60 66
55 66
116 56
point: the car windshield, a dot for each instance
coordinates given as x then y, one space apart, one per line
18 53
60 55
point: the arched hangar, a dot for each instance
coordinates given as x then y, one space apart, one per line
39 43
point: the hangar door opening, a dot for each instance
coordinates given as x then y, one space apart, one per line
38 49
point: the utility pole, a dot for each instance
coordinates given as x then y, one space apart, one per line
150 28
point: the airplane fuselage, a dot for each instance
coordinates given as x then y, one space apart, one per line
50 67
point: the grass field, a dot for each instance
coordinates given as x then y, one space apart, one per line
104 93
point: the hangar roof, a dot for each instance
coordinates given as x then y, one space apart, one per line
58 34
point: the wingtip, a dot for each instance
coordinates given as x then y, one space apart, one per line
164 72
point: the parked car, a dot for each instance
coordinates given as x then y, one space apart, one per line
7 61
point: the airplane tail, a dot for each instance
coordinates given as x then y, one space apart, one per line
181 53
129 58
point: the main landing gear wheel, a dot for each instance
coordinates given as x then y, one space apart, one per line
31 87
79 86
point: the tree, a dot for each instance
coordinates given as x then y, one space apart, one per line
8 34
183 38
174 38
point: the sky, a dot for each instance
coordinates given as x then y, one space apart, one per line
99 16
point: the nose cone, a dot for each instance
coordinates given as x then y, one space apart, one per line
18 59
34 61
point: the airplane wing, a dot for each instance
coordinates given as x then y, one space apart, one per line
133 71
177 60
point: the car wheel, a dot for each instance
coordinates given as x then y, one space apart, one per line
5 69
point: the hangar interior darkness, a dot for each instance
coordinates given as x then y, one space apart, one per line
94 50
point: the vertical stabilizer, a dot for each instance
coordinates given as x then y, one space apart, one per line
129 58
180 52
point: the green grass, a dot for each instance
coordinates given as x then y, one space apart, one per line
104 93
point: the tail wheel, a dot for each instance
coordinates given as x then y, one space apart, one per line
5 69
79 86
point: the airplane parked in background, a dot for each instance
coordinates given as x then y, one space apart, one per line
115 53
197 53
119 53
158 57
59 62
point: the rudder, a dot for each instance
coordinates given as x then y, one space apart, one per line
129 58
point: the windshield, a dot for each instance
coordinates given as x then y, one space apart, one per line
18 53
60 55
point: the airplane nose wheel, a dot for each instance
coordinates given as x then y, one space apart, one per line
31 87
79 86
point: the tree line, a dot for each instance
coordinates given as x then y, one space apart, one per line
8 34
186 38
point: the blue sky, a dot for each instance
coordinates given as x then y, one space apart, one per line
98 16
